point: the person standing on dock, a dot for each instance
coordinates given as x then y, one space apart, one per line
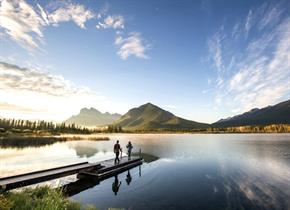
129 148
117 150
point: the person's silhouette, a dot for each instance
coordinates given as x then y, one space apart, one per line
129 148
117 150
116 185
128 178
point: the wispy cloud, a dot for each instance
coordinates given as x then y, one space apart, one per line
216 50
24 23
257 74
71 12
21 22
39 90
115 22
131 45
249 22
16 78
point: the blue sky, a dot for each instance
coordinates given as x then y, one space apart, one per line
202 60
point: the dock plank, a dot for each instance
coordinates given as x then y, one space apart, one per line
12 182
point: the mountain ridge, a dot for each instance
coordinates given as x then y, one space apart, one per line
276 114
92 117
151 117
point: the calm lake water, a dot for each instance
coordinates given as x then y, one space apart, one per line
201 171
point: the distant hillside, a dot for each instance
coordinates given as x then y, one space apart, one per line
151 117
92 117
277 114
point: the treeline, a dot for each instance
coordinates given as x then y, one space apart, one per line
275 128
165 130
27 126
113 129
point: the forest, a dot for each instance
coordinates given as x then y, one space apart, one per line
27 126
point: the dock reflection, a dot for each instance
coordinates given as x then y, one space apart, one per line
85 183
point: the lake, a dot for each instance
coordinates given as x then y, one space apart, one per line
181 171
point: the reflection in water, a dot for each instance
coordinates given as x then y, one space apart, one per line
254 186
148 158
78 186
116 185
22 142
140 171
215 172
84 183
85 151
129 178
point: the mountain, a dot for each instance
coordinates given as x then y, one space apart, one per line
151 117
92 117
277 114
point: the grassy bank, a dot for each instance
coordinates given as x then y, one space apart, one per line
83 137
41 198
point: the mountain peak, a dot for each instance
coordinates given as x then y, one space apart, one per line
148 105
89 111
151 106
151 117
92 117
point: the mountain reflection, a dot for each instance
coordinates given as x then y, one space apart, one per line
84 151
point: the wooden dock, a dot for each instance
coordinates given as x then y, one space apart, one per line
110 168
101 170
87 180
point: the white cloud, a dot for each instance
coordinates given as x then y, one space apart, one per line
115 22
29 93
132 45
258 74
21 22
16 78
71 12
24 23
127 46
